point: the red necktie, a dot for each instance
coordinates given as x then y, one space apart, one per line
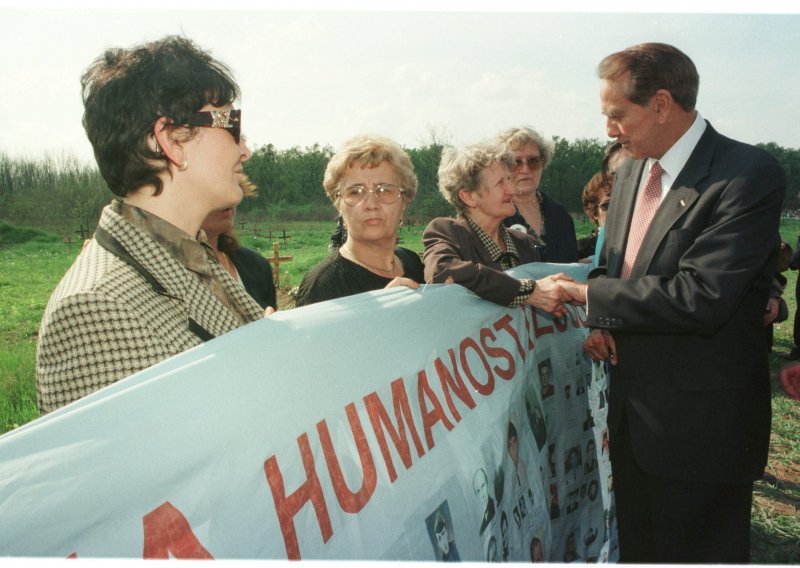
645 210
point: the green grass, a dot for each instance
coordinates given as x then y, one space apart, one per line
32 263
776 523
29 270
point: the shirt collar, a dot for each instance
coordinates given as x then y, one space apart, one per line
510 256
192 252
675 158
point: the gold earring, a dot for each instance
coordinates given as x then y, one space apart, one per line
184 166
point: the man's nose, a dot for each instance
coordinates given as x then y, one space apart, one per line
612 129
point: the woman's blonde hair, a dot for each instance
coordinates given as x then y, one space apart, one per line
370 151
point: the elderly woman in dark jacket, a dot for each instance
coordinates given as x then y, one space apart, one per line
475 249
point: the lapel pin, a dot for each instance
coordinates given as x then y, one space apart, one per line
683 203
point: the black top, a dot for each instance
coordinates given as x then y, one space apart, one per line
337 277
587 244
558 232
256 274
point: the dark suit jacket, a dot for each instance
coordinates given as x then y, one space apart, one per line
692 377
453 249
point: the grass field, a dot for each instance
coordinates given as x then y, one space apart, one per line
32 263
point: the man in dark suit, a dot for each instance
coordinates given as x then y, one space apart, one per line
681 322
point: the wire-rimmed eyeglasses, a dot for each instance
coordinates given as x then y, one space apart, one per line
386 193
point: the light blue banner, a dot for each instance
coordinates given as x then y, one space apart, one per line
393 425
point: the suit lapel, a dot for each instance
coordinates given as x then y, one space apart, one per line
478 249
205 307
678 201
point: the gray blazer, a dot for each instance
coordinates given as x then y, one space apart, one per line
107 319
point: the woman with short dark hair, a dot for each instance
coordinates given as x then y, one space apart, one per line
167 140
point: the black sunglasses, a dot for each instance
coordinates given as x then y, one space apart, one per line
230 120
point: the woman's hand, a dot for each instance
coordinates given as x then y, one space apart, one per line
402 281
549 295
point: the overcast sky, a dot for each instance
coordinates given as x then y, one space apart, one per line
320 76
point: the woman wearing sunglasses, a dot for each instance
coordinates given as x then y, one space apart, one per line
543 218
370 181
476 249
167 141
596 197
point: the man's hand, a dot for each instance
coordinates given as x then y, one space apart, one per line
790 380
600 346
549 296
575 291
773 305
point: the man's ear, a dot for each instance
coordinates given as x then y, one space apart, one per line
164 137
662 104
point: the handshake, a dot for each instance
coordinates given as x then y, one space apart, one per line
553 292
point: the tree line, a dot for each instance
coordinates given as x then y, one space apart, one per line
59 194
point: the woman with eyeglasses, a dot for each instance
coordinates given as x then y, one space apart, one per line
370 181
596 197
168 143
543 218
476 248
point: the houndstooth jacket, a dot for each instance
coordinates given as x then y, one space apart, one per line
116 313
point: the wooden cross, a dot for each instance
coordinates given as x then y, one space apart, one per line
276 263
285 237
266 233
82 232
242 223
